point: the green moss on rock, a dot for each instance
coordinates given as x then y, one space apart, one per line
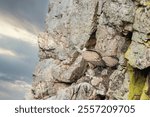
144 95
137 82
138 85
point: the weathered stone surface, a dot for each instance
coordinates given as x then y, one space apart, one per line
90 72
104 72
102 89
107 29
48 74
109 43
118 85
142 22
138 55
119 11
78 92
143 2
122 60
141 38
95 81
43 80
69 25
69 74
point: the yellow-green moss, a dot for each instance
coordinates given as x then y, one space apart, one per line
138 85
128 55
147 3
144 96
147 44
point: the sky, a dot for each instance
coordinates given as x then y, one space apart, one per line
20 23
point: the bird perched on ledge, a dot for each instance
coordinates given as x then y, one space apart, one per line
95 59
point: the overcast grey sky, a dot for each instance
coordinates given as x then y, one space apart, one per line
20 23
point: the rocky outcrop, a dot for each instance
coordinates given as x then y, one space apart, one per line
92 49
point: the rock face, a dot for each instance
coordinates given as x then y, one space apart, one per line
88 46
140 40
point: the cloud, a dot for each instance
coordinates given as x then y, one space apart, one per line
18 49
1 74
4 95
20 23
17 85
13 90
34 11
24 61
10 30
7 52
15 67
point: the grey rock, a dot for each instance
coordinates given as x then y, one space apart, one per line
109 43
48 74
104 72
142 22
101 89
69 25
90 72
118 85
117 12
82 91
69 74
83 79
141 38
95 81
138 55
110 28
143 2
122 60
43 80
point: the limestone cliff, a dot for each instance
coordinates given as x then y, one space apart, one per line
94 49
